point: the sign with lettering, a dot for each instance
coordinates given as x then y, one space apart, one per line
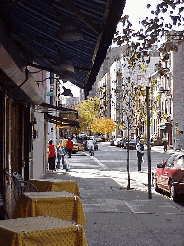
142 80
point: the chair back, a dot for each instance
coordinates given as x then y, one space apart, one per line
2 209
21 186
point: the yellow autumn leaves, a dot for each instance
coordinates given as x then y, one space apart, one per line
103 126
89 117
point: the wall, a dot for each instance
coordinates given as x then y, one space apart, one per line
38 146
178 91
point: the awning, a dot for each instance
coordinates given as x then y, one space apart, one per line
60 121
59 109
69 38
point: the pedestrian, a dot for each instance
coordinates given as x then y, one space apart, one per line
165 145
51 156
140 153
137 140
69 147
60 155
91 145
74 139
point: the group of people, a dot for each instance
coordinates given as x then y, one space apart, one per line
59 152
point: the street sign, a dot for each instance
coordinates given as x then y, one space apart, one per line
49 93
142 80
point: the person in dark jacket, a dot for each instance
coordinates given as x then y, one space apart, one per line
165 145
69 147
140 153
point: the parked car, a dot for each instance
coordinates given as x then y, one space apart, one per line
123 143
98 138
132 144
169 176
116 141
80 146
75 148
119 143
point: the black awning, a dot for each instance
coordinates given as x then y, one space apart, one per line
34 25
60 109
60 121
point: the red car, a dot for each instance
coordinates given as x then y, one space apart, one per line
169 176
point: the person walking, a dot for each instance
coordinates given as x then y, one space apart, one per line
91 145
165 145
69 147
51 156
140 153
137 140
60 155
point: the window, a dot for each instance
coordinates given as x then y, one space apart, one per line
179 163
170 161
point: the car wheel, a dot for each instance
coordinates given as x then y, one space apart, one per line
173 194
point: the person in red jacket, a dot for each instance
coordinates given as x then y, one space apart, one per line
69 147
51 156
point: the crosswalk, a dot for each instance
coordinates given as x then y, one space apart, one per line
84 160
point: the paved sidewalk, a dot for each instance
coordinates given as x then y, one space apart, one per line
169 150
116 216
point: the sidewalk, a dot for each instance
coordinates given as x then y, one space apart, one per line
116 216
169 150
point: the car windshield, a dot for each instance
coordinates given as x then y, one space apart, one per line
170 160
133 140
179 162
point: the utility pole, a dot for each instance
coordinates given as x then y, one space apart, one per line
148 142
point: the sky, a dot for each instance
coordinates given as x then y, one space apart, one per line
137 11
74 89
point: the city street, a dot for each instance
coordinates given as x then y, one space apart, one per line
115 158
114 213
111 162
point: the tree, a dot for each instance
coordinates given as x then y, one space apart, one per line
103 126
88 110
128 111
137 52
154 28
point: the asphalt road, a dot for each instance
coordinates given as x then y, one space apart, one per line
115 158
